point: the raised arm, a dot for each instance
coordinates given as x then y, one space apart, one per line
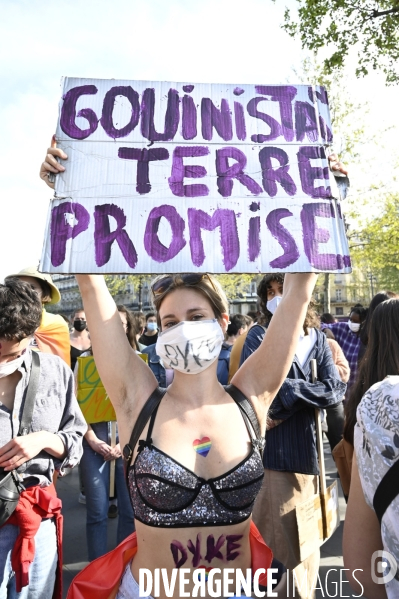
262 374
127 379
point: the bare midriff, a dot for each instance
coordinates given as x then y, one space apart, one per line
192 548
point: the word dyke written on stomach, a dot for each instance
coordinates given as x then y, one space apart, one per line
172 177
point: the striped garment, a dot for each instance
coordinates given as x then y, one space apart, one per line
291 446
350 345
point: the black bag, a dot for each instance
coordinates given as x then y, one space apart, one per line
11 482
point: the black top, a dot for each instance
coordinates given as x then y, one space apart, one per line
148 340
75 353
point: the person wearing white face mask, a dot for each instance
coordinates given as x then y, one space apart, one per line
290 456
32 447
347 334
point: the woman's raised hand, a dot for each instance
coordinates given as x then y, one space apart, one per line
50 164
336 165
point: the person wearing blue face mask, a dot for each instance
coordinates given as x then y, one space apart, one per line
150 335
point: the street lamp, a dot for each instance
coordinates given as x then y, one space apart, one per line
140 288
373 281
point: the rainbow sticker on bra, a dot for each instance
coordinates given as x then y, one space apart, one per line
202 446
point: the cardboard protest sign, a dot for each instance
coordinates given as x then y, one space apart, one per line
172 177
92 397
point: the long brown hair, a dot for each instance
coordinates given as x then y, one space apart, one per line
138 321
130 331
381 358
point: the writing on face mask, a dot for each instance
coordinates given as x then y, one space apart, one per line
174 353
190 347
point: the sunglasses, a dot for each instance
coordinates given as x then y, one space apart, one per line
163 283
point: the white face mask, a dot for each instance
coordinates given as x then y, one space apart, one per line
190 347
354 326
7 368
273 303
152 326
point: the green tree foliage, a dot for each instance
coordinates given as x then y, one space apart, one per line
372 26
375 246
235 285
347 116
118 286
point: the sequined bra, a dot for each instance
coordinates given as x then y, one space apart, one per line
166 494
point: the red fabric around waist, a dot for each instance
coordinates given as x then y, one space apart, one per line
34 505
101 578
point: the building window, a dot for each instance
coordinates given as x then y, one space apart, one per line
339 311
338 295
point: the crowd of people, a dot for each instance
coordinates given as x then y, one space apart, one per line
215 445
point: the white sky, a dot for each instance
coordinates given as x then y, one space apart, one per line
178 40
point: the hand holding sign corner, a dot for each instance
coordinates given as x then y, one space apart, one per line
51 164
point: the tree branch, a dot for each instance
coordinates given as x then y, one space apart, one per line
381 13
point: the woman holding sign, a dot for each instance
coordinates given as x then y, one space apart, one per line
194 458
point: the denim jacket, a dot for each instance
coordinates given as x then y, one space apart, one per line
291 445
155 363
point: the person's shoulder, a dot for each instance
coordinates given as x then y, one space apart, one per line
380 404
334 345
255 331
51 319
319 339
390 384
50 363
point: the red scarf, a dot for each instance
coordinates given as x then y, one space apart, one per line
34 505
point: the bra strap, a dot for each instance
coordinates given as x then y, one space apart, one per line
249 415
151 425
147 410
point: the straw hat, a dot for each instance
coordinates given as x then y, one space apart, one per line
31 271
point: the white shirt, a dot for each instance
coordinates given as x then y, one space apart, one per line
305 345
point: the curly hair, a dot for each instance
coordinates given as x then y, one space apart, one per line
264 285
20 310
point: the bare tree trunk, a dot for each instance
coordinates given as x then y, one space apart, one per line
327 303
